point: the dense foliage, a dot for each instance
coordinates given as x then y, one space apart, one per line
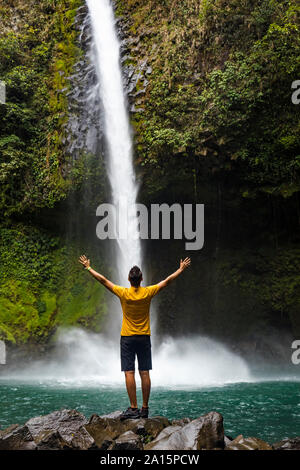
42 287
37 51
220 89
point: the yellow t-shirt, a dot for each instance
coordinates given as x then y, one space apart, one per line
135 302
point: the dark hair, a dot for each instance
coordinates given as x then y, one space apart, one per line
135 276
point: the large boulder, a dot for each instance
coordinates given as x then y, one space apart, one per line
17 438
206 432
60 430
287 444
247 443
127 441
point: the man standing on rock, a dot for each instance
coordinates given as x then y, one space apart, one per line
135 332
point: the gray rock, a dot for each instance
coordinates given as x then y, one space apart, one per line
287 444
60 429
227 440
150 428
17 438
104 430
205 432
247 443
52 440
161 441
127 441
82 440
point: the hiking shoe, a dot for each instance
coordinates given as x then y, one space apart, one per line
144 412
130 413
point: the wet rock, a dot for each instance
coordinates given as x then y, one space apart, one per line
247 443
17 438
205 432
150 428
52 440
82 440
161 440
104 430
287 444
60 428
127 441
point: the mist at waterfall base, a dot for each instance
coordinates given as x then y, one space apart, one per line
83 358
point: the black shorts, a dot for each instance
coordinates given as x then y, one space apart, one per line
139 345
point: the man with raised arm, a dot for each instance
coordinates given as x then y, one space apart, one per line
135 332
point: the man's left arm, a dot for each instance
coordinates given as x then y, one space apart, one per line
99 277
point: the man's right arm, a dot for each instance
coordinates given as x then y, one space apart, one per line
99 277
183 265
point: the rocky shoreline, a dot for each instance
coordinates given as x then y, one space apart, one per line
71 430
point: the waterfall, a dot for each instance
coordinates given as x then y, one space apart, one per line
106 51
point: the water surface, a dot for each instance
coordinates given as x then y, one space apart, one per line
268 410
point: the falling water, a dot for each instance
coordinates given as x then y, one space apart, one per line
121 175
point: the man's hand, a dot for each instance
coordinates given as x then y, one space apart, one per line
105 282
185 263
84 261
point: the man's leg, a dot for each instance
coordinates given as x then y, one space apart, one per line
131 387
146 386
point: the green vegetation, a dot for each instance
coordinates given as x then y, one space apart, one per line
43 286
221 73
36 59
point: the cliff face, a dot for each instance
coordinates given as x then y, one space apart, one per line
209 89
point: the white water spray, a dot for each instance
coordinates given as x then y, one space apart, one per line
121 174
87 359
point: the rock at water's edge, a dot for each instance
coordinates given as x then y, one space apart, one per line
247 443
206 432
287 444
